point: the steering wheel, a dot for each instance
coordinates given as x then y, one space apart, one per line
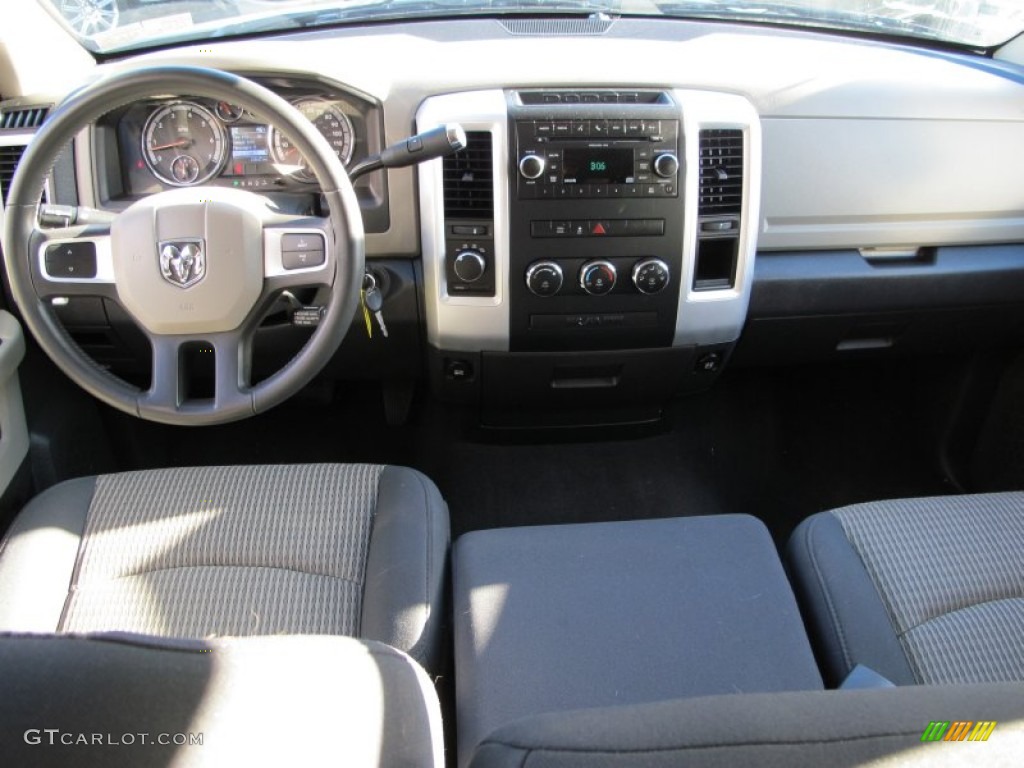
192 265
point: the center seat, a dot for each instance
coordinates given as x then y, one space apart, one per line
564 617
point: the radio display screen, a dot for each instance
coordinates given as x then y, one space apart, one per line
597 165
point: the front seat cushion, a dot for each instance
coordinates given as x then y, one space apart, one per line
920 590
330 549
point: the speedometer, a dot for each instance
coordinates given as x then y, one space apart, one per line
331 122
184 144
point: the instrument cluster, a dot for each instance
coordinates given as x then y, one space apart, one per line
190 141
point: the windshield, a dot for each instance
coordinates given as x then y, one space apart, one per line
107 26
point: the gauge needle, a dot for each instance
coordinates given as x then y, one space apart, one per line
172 145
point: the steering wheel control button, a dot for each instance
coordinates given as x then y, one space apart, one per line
598 277
71 260
302 250
544 278
666 165
650 276
469 266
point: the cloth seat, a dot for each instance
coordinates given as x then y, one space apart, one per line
131 701
357 550
923 591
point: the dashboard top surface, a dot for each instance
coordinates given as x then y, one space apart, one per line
832 107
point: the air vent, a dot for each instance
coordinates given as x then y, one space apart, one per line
558 27
721 172
530 98
23 118
469 179
9 158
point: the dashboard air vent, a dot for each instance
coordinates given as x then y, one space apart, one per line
9 158
469 179
23 118
557 27
721 172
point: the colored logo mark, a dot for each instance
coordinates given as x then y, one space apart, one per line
958 730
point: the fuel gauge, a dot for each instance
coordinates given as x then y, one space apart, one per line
228 112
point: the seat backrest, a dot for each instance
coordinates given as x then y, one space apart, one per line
131 700
913 726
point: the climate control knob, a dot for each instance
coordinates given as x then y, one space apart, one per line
666 165
531 166
650 276
544 278
469 266
598 277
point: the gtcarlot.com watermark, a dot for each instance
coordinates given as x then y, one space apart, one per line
55 736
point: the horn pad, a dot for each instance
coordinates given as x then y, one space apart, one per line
186 262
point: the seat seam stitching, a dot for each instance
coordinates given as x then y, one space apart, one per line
833 617
146 572
958 610
690 747
418 651
76 572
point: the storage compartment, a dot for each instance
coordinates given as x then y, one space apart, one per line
541 389
715 263
819 305
555 618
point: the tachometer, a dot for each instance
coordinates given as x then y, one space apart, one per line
184 144
330 121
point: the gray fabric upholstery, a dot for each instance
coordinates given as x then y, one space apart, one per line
948 572
269 701
810 729
561 617
258 550
232 551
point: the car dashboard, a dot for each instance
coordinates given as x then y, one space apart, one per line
641 204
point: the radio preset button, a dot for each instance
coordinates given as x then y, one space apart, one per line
597 277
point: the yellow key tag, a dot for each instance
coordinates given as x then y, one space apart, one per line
366 314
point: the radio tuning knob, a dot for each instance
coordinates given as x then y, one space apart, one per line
531 166
666 165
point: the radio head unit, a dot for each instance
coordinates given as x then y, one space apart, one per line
597 157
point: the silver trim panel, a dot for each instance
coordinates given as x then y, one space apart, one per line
717 317
104 261
465 323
